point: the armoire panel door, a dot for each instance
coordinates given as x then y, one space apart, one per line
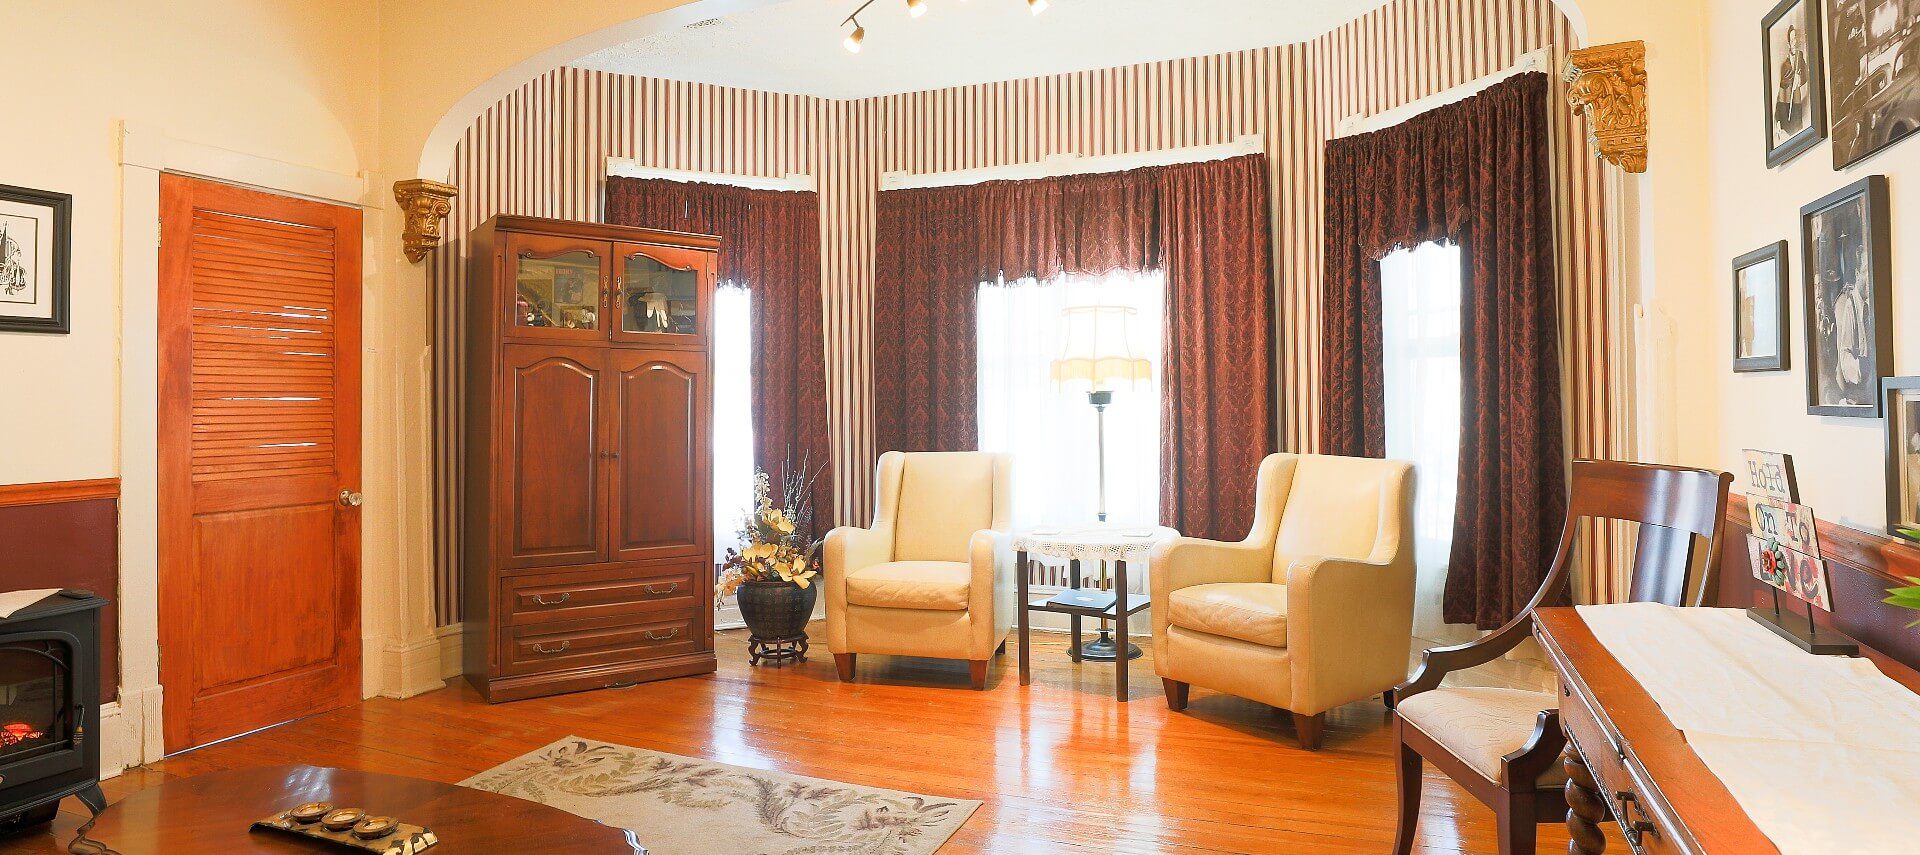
660 499
552 507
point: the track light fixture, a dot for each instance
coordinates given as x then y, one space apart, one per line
915 9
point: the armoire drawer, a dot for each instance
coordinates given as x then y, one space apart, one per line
640 590
581 644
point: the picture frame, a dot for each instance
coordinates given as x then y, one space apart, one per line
1875 83
1903 454
36 236
1760 340
1846 263
1793 80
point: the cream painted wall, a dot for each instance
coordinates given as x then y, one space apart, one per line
1840 461
290 80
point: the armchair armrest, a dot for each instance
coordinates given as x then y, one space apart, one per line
990 594
1183 562
1437 662
1349 628
847 548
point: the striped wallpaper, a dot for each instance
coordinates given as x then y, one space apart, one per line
542 150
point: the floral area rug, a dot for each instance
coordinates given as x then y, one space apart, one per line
687 806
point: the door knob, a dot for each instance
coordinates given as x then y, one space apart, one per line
351 499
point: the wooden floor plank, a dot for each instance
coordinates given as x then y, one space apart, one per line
1061 767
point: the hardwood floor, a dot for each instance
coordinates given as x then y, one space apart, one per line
1061 766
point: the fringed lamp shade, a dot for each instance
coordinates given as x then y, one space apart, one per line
1099 349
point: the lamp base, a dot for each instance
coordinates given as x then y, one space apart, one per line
1103 649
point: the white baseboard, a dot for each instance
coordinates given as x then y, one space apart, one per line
130 731
452 655
411 669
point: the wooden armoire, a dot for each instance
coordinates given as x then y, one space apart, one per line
589 531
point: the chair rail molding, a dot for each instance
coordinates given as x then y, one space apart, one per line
1608 85
424 204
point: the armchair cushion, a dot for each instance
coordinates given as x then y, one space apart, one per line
1249 611
932 585
1481 725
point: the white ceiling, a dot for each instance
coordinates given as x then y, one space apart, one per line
794 46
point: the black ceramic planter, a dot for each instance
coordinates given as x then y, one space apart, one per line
776 614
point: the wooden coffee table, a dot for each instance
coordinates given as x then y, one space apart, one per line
212 813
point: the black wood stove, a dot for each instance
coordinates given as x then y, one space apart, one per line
49 708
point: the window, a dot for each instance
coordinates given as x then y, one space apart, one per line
1420 335
1049 427
732 414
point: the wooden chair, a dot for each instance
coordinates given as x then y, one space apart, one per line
1503 745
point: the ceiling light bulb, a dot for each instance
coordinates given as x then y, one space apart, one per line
1037 6
854 38
916 8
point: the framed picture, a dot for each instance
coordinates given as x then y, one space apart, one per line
1903 454
35 236
1873 62
1794 79
1759 309
1845 246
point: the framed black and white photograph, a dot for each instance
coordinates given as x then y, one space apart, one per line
1903 455
1759 309
1845 241
34 239
1873 63
1793 82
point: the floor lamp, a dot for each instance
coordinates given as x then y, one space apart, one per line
1099 353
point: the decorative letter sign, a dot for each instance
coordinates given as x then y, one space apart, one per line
1770 474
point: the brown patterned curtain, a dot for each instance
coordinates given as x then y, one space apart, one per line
1475 174
1205 225
770 245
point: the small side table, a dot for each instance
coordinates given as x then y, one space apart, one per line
1115 543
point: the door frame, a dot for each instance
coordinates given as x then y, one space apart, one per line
132 726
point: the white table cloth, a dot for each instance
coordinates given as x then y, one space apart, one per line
1822 752
1096 542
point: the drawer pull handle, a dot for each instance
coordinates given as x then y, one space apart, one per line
670 633
1633 829
561 649
669 589
539 599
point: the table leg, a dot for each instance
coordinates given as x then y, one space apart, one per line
1120 630
1073 569
1020 585
1586 809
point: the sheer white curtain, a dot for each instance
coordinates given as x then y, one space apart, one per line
1049 428
1420 336
732 414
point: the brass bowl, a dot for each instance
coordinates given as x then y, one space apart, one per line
374 827
309 813
342 819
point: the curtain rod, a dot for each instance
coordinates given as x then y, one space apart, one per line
1360 123
627 167
1069 163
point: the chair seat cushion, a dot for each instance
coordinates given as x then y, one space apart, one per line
932 585
1249 611
1481 725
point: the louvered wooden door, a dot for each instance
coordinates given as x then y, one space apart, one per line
259 434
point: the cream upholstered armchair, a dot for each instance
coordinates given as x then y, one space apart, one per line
933 575
1312 610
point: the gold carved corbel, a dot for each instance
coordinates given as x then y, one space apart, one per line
1608 85
424 205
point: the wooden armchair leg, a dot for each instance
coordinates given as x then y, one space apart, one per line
1309 729
1176 693
844 662
1002 649
1408 773
977 669
1517 823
